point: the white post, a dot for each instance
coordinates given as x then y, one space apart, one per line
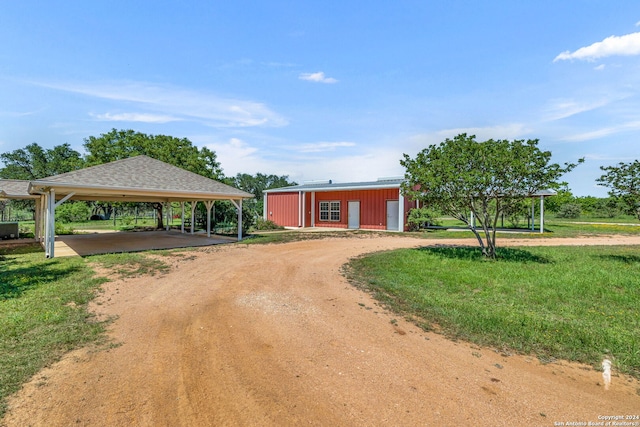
52 223
541 214
303 208
264 207
193 215
400 212
299 208
168 215
209 205
45 240
533 212
240 221
313 208
182 218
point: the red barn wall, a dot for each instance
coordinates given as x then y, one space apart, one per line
282 208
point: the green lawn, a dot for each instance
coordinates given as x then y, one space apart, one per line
43 313
575 303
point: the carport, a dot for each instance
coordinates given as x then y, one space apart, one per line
135 179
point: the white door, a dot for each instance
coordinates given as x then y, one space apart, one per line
392 215
354 214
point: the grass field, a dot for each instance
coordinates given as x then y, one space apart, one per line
42 313
575 303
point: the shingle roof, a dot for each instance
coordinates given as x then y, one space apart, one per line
15 189
139 174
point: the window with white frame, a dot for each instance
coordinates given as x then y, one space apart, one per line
330 211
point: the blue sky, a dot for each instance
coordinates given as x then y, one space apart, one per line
327 90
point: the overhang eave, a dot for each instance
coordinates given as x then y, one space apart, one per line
127 194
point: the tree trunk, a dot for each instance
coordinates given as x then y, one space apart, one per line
159 219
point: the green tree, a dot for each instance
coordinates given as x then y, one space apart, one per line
256 184
122 144
623 181
462 176
34 162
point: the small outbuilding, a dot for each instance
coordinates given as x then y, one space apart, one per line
375 205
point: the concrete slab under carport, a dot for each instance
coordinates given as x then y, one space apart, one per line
129 241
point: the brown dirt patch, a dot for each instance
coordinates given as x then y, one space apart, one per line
273 335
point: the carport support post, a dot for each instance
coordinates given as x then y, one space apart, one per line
209 205
193 215
47 224
240 221
167 204
182 218
238 205
533 212
541 214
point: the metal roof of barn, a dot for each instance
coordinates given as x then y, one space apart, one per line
341 186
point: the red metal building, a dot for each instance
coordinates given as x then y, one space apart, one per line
376 205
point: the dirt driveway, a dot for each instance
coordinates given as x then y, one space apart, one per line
274 336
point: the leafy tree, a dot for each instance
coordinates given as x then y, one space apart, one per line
563 196
34 162
569 210
121 144
74 211
623 181
256 185
462 176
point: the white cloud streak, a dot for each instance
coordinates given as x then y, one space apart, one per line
563 108
318 77
134 117
600 133
508 131
170 103
319 147
626 45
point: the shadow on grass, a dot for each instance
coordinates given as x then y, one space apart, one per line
475 254
627 259
15 280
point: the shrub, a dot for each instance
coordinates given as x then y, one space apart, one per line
63 229
569 210
421 218
262 224
73 212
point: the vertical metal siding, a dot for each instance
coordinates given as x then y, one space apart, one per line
372 207
282 208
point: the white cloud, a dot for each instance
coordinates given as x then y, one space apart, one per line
178 103
626 45
318 147
509 131
599 133
599 67
563 108
318 77
135 117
